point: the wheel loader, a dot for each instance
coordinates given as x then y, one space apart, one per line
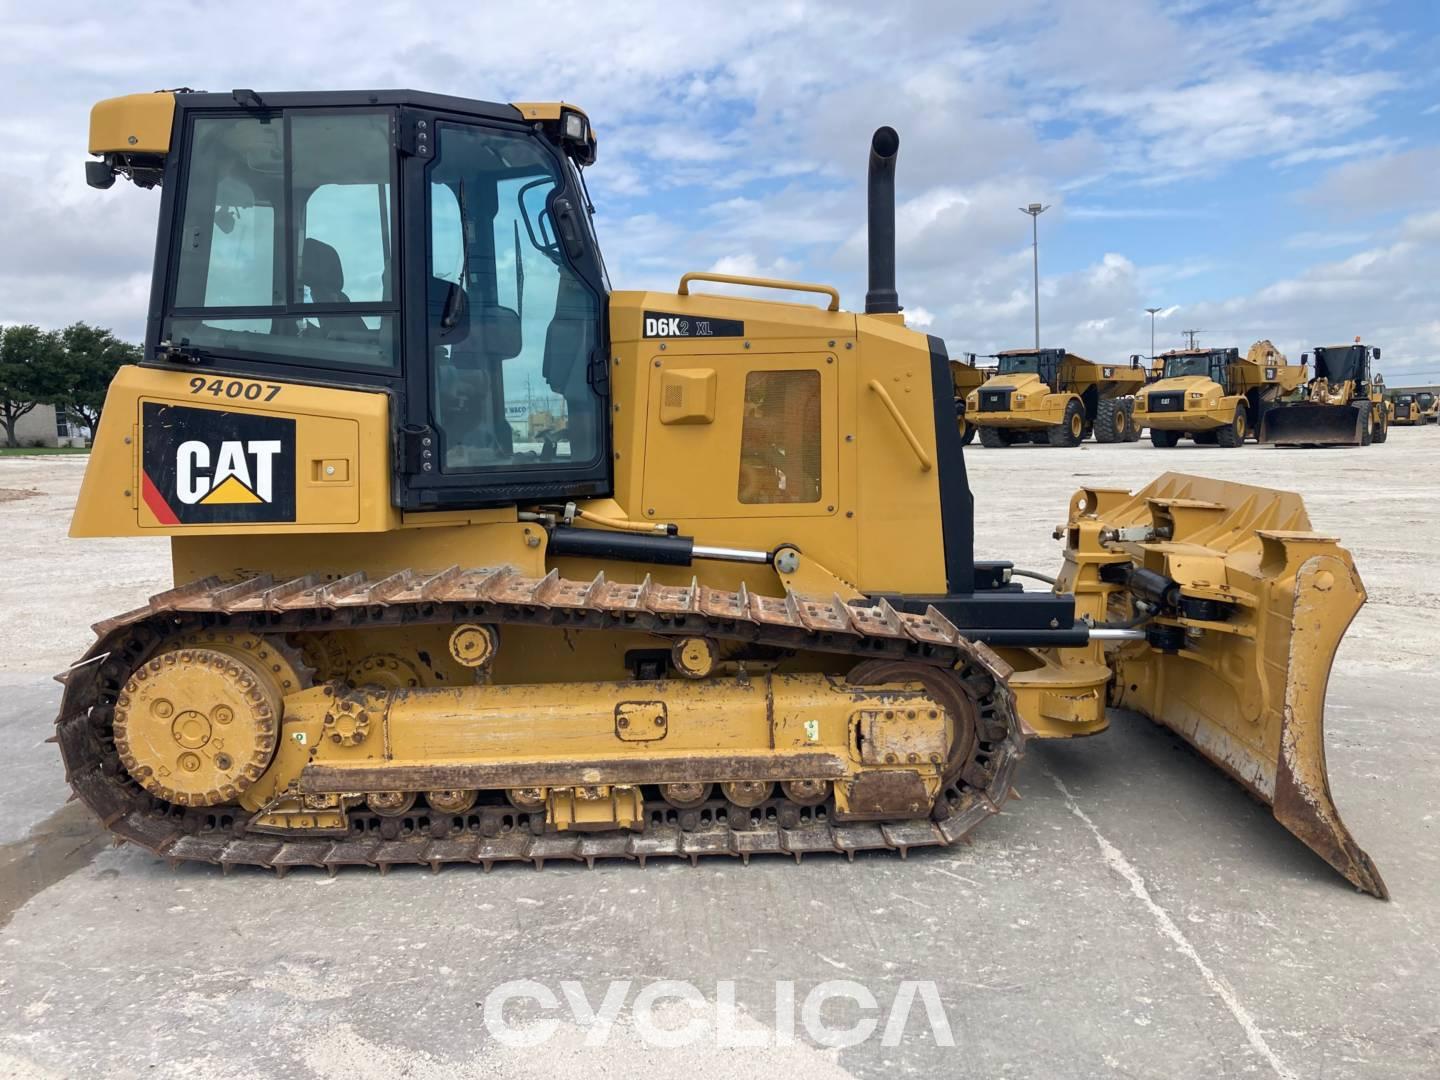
1215 396
1053 397
1429 405
1343 405
725 601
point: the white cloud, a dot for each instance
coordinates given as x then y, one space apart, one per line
1380 145
738 142
1314 240
1389 182
1135 213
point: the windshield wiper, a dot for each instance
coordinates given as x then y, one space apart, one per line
455 296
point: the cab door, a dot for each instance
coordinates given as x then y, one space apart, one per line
506 399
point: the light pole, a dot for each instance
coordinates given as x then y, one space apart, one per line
1152 311
1035 210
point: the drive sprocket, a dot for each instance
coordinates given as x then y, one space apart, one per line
197 727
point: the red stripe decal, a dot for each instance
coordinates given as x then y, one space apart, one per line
156 502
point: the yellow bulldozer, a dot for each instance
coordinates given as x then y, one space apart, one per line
1411 410
1215 396
1055 398
1343 405
733 608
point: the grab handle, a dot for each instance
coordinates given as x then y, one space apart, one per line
760 283
894 410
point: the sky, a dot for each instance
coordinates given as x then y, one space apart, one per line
1266 169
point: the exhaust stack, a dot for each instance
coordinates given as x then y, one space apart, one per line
882 297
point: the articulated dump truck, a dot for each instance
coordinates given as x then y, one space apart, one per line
722 600
1053 397
1215 396
1343 405
965 377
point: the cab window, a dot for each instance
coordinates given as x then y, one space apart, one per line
286 241
512 327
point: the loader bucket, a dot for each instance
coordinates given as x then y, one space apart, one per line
1239 670
1309 424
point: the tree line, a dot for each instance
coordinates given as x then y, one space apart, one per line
70 369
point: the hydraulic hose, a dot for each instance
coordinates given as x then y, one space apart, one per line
620 524
1035 574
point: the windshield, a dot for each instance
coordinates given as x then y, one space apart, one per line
1178 366
1426 400
1342 364
1024 364
1405 399
285 246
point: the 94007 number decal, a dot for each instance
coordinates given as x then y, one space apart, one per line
234 388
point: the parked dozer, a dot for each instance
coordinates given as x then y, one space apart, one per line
1408 411
1215 396
725 602
1343 405
1052 396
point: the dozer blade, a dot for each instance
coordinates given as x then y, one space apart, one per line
1313 425
1251 613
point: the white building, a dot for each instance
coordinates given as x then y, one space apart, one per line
45 425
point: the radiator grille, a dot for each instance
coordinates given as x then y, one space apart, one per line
995 400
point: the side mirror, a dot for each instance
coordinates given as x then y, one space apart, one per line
1135 359
1304 358
570 231
970 358
500 329
1375 352
99 174
455 310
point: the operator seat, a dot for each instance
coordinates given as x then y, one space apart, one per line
322 274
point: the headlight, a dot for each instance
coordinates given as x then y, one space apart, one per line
1196 395
972 401
1140 405
1019 400
574 126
